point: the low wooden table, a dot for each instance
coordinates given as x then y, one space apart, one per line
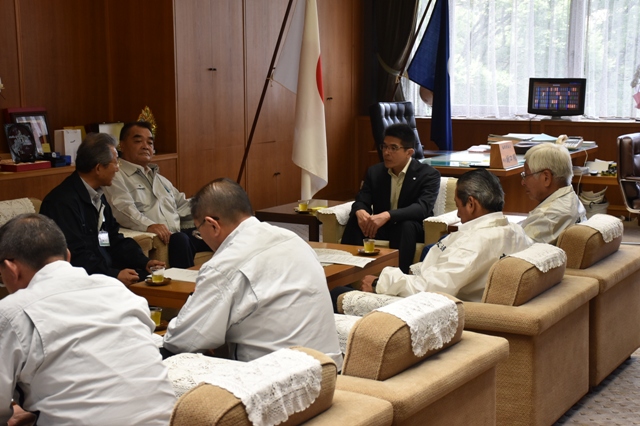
287 213
175 294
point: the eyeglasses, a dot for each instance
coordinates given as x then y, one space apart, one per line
523 175
196 232
392 148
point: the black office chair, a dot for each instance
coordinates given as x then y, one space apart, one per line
384 114
629 170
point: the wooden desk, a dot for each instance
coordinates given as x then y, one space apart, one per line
175 295
286 214
515 199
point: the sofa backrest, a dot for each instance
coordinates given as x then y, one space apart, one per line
586 245
379 345
206 404
513 281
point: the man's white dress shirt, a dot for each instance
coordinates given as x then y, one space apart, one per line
140 198
546 222
263 290
459 264
79 349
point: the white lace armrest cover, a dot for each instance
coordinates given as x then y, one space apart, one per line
12 208
543 256
441 200
431 317
344 324
130 233
271 388
448 218
341 211
360 303
609 226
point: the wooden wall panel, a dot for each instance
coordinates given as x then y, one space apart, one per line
210 90
339 33
142 65
272 177
64 53
9 67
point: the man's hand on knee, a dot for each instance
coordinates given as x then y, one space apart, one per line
377 221
161 231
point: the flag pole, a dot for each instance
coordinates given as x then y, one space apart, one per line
264 92
413 42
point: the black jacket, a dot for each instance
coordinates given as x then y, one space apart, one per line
70 207
417 196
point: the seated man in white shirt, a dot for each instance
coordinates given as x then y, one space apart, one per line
263 290
143 200
547 180
459 263
75 348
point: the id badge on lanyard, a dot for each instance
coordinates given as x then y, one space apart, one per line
103 236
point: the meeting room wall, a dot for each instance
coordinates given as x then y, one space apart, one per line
200 66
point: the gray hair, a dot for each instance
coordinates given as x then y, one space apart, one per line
552 157
484 187
221 198
95 149
32 239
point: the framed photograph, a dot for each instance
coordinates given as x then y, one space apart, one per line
37 118
22 143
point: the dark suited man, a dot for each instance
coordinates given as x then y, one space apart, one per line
397 195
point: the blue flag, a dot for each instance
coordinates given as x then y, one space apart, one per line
429 69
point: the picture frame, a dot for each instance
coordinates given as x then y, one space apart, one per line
22 143
37 118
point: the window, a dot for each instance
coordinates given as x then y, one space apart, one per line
497 45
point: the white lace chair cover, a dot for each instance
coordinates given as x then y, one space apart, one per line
609 226
441 200
12 208
448 218
341 211
432 319
271 388
543 256
344 324
360 303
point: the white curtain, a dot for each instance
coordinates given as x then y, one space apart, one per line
497 45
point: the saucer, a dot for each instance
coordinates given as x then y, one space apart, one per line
166 281
368 253
163 326
295 209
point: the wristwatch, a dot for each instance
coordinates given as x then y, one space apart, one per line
374 283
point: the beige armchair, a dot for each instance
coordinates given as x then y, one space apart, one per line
614 317
333 226
545 318
206 405
452 385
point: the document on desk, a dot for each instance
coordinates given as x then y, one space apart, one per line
331 256
179 274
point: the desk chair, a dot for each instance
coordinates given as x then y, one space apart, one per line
384 114
629 170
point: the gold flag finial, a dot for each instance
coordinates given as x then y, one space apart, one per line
147 115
